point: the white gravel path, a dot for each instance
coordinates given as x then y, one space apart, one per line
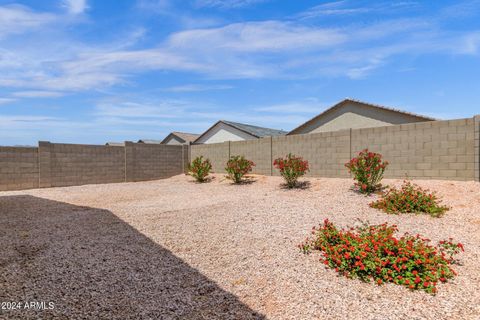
171 249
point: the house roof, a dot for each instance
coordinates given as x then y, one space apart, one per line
148 141
349 100
185 136
256 131
188 137
115 144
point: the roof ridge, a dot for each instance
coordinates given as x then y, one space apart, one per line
184 132
250 125
338 104
387 108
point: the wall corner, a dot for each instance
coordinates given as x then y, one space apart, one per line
476 121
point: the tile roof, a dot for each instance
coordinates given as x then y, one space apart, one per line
256 131
185 136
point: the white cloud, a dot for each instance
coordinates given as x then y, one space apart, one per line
349 8
17 19
6 100
37 94
256 36
227 4
156 6
127 109
332 8
262 49
470 43
361 72
197 87
75 6
308 106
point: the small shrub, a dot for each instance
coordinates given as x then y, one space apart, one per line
199 168
411 198
374 253
367 169
237 167
291 168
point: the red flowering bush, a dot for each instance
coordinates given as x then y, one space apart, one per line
372 252
291 168
237 167
411 198
199 168
367 169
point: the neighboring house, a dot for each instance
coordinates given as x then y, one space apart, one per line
356 114
147 141
180 138
234 131
115 144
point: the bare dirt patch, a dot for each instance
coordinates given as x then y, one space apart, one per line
173 249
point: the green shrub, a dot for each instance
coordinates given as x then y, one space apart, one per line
367 169
372 252
410 198
237 167
199 168
291 168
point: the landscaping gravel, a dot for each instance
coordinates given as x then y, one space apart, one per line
176 249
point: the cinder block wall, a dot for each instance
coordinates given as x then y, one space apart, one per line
428 150
185 157
18 168
326 152
476 120
259 151
433 150
218 153
58 165
152 161
77 164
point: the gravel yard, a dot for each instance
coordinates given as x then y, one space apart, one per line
174 248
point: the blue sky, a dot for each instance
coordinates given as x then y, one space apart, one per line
86 71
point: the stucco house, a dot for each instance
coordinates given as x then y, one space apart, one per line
355 114
233 131
177 138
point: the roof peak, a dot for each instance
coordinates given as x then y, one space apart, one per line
253 130
183 132
373 105
382 107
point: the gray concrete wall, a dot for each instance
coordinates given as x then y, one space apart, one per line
259 151
152 161
58 165
77 164
423 150
428 150
476 120
18 168
217 153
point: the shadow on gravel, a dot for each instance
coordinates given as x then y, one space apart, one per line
245 181
92 265
301 185
207 180
381 190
